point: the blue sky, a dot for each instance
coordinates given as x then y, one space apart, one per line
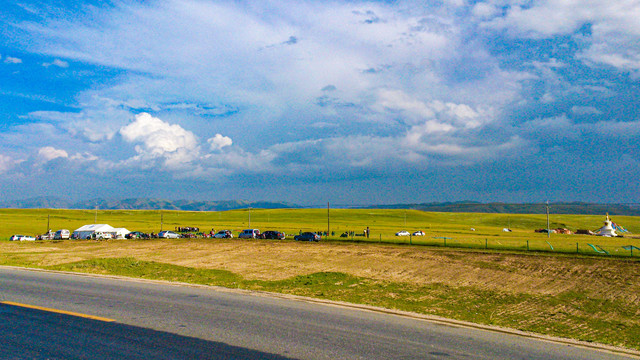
351 102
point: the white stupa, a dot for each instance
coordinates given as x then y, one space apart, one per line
607 229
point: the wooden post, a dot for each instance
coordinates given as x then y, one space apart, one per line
328 221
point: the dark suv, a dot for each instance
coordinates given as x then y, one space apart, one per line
307 236
272 234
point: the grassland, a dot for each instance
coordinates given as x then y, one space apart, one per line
580 296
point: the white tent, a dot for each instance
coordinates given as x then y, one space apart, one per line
88 231
119 233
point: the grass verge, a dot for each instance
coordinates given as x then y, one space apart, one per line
570 314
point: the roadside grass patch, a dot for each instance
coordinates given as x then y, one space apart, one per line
570 314
131 267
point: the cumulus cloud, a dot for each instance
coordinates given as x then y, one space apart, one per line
433 115
49 153
160 139
346 85
218 142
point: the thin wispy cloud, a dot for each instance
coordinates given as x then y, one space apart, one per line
357 91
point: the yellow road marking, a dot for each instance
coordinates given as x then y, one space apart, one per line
57 311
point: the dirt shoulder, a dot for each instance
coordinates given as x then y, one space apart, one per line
539 274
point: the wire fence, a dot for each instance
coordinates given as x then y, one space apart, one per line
628 248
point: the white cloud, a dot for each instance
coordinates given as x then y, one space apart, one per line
397 100
94 125
614 29
49 153
12 60
218 142
84 157
485 10
6 163
585 110
434 115
161 139
58 63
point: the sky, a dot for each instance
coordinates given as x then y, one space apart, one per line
309 102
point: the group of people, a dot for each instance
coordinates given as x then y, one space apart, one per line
188 229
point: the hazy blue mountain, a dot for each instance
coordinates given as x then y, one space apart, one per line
41 202
504 208
51 202
141 204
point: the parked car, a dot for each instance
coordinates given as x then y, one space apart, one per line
402 233
307 236
48 236
250 234
137 235
272 234
418 233
168 234
101 236
18 237
62 234
223 234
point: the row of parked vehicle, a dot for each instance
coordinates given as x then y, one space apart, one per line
227 234
62 234
168 234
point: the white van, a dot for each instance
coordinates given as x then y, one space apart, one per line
62 234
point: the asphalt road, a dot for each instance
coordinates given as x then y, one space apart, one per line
163 321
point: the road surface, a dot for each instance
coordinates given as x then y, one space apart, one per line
45 315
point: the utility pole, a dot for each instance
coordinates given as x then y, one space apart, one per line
48 218
95 218
328 220
161 219
249 217
548 230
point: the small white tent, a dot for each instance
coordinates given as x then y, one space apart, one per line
119 233
97 230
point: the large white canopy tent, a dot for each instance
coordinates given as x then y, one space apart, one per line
87 231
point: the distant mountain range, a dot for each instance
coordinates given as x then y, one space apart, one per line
531 208
50 202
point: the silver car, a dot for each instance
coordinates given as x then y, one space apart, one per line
168 234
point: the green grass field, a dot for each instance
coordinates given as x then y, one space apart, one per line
441 229
518 283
